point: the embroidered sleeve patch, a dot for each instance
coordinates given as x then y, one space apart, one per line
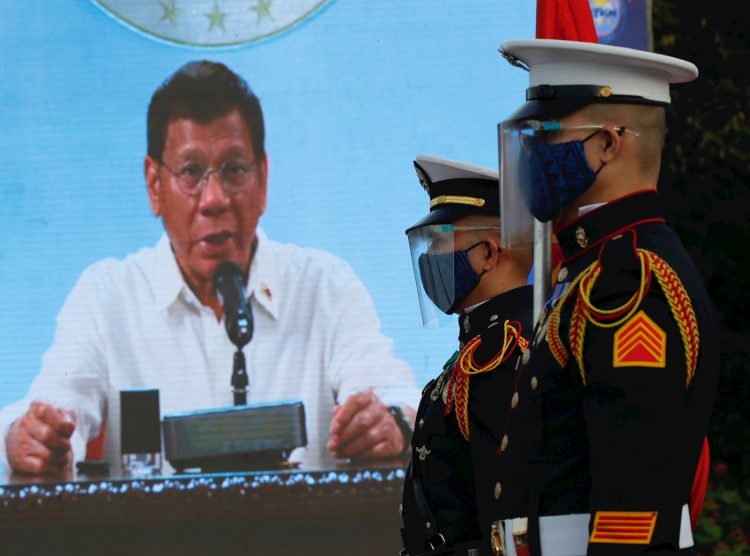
623 527
640 343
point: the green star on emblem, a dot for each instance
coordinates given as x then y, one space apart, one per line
170 11
216 18
262 9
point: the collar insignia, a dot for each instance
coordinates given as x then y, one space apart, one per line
581 238
266 291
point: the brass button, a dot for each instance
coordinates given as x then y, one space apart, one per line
526 356
534 383
421 423
428 524
562 274
504 443
401 509
514 400
498 491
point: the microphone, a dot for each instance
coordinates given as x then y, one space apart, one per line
229 286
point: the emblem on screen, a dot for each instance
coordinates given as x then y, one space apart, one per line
607 14
211 23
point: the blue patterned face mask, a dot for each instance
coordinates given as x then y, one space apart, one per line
558 174
448 278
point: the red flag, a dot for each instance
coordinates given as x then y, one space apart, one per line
569 20
700 484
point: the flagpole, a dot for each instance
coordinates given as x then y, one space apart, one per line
542 264
566 20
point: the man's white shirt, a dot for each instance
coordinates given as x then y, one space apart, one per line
134 323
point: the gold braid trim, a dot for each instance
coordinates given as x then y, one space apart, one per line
682 311
466 367
584 311
556 345
621 314
577 333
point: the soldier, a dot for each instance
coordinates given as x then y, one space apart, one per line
460 268
614 397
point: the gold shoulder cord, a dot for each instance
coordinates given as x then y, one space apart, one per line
585 312
466 367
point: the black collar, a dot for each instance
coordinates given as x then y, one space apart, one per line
509 305
602 223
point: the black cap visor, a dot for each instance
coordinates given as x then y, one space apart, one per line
556 108
448 214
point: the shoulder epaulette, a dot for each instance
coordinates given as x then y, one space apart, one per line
466 366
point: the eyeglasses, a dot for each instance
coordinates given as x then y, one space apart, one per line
436 232
234 176
453 228
440 238
547 130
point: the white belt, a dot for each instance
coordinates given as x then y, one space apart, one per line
568 535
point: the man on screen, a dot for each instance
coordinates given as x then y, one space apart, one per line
153 319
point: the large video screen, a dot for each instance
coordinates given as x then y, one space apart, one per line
351 93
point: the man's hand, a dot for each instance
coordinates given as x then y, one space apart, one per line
39 442
364 428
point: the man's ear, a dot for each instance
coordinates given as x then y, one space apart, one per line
264 183
151 173
492 253
612 143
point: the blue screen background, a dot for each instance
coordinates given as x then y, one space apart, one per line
350 97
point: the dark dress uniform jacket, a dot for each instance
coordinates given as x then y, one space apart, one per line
624 433
439 491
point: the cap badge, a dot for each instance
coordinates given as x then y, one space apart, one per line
514 61
581 237
424 182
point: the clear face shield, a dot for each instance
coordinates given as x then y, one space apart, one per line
543 170
442 271
516 220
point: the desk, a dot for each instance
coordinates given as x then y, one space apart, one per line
313 510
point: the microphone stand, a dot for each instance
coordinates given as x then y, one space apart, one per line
229 287
239 378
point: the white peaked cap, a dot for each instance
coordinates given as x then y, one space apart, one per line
617 71
439 169
456 189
